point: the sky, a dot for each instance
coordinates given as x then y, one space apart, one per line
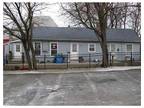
54 12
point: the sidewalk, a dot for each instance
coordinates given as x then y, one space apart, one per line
114 68
74 70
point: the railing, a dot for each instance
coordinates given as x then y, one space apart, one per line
88 60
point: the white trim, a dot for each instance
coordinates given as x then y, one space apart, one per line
111 47
40 47
77 47
15 52
74 53
13 41
131 45
108 47
50 48
94 47
17 46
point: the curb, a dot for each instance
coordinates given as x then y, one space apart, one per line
67 71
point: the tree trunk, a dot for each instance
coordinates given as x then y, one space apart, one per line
27 55
103 44
33 56
104 55
102 35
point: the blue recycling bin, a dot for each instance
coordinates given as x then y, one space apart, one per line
59 59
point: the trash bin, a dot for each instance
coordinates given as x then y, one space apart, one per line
59 59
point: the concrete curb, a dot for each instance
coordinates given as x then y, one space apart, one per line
83 70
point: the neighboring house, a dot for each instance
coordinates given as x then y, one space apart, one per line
61 40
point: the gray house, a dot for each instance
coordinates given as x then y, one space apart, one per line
77 41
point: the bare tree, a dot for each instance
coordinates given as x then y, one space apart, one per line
99 17
125 15
135 16
18 22
92 16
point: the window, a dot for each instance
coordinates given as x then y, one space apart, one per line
92 48
129 48
53 49
74 47
37 48
18 48
108 47
112 47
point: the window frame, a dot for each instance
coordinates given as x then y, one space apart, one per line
109 47
16 48
40 48
51 49
114 47
127 48
89 47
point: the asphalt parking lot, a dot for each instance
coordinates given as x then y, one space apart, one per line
96 88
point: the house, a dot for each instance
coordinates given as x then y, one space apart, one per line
78 41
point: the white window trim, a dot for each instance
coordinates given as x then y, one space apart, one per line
16 48
18 54
111 47
77 47
50 48
89 47
131 45
40 48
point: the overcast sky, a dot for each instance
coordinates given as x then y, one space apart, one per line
55 13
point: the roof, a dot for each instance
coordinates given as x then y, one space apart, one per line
82 34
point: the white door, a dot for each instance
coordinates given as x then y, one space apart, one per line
17 50
74 51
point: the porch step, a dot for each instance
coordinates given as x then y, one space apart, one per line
15 61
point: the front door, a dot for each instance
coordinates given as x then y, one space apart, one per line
74 51
17 50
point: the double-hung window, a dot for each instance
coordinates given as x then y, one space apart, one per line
91 47
129 47
37 48
113 48
53 48
18 48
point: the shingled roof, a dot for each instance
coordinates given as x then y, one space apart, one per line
82 34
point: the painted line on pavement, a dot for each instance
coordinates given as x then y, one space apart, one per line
92 85
49 99
132 78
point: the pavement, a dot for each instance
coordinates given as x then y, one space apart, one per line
73 70
115 87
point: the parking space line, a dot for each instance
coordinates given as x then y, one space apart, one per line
58 83
37 96
48 100
129 76
92 85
